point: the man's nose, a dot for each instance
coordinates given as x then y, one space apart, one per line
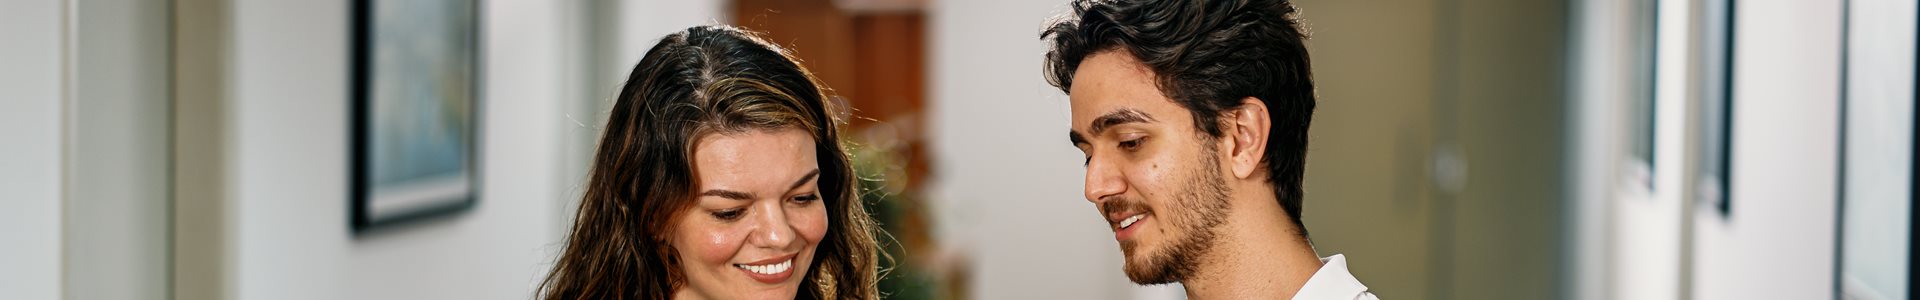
1104 179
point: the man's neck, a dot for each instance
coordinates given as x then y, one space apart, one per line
1259 255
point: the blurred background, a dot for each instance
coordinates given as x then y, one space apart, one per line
1462 149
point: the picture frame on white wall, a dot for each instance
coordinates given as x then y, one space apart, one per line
1714 150
415 109
1879 133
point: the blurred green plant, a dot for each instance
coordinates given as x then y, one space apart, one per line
882 184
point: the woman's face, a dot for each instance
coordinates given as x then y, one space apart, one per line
756 219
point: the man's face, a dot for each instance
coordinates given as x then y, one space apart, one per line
1155 178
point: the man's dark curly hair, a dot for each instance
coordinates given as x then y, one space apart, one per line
1206 55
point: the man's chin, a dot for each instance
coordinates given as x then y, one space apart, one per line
1147 268
1146 273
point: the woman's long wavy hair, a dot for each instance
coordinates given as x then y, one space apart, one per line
705 80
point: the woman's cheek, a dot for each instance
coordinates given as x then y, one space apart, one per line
718 244
812 223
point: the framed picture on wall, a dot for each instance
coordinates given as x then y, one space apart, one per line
415 105
1879 190
1714 152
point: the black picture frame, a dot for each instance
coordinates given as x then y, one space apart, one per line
1855 105
415 110
1715 163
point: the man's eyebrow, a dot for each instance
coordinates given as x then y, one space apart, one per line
739 195
1117 117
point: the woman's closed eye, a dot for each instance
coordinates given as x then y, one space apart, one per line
806 198
729 214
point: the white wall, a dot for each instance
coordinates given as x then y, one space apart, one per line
32 119
615 34
287 151
287 164
1602 82
85 162
1779 242
1647 235
641 23
117 216
1007 187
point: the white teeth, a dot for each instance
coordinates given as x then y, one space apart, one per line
1129 221
767 269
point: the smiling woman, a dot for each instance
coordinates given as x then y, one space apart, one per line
719 176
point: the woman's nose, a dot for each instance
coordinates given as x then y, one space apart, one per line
773 229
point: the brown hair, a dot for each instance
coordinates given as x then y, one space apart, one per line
705 80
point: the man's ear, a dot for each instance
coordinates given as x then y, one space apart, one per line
1246 132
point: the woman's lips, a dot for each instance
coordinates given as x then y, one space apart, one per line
776 271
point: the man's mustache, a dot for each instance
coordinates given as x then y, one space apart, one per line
1120 204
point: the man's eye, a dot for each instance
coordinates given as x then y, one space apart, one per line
728 214
1131 144
808 198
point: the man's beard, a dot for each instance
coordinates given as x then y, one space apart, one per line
1194 216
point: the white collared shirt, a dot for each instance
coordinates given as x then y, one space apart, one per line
1333 282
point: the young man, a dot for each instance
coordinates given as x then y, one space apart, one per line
1193 115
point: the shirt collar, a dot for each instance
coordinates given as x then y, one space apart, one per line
1333 281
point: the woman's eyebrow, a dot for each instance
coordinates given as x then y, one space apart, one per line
735 195
804 179
739 195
